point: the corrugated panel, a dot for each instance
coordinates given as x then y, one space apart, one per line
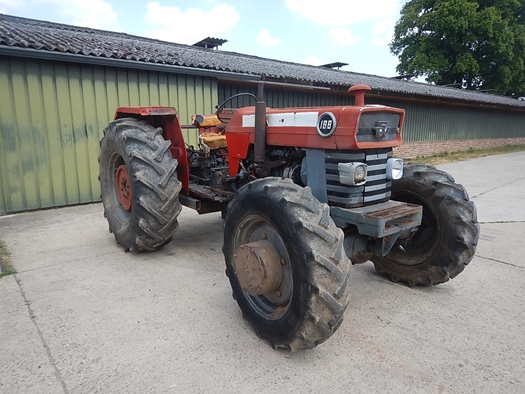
281 98
51 120
435 122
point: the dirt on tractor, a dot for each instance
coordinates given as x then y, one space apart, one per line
305 193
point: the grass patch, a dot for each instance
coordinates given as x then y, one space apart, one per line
6 268
471 153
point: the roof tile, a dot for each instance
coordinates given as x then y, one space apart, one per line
48 36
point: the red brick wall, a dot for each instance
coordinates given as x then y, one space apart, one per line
417 149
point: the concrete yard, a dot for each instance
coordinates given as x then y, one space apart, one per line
82 316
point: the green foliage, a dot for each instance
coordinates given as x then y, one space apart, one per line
5 264
478 43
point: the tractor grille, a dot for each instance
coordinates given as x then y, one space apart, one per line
374 191
368 127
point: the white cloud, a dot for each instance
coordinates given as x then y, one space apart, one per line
343 37
314 61
265 39
382 27
383 33
190 26
97 14
345 12
7 6
381 41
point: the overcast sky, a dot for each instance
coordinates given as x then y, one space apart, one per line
314 32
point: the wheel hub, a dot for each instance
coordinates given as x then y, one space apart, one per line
123 185
258 267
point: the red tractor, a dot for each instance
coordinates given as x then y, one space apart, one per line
305 192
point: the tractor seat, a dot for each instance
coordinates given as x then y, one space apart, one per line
213 140
205 120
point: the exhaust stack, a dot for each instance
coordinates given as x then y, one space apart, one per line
260 127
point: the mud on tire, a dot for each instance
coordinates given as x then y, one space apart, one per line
446 240
309 306
142 215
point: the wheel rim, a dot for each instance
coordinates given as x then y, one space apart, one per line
273 305
120 189
123 186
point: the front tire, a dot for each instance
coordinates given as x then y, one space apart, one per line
140 189
446 240
309 304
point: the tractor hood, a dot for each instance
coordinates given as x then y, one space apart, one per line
348 127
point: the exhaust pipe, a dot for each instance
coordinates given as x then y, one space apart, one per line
260 127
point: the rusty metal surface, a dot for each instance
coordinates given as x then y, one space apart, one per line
146 111
381 220
211 193
258 267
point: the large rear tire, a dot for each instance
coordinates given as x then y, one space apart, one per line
308 306
446 240
140 189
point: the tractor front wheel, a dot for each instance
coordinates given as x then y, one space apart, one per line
139 185
286 263
445 241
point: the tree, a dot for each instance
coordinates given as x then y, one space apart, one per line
477 43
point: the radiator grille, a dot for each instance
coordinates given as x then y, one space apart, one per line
368 122
375 190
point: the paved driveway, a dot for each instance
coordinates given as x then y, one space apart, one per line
82 316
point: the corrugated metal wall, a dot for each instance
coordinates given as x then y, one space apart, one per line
52 116
281 98
51 120
434 122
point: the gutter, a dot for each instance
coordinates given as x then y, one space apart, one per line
39 54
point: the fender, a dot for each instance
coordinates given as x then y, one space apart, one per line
167 119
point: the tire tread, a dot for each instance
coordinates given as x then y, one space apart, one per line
155 186
327 262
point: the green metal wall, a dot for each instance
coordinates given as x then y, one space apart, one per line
51 120
52 116
281 98
432 122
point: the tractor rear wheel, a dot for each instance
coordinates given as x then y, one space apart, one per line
140 189
286 263
445 241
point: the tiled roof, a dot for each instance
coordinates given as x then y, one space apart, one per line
48 36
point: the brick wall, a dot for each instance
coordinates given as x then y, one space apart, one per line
418 149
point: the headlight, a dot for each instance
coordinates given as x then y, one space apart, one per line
360 173
394 168
353 174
